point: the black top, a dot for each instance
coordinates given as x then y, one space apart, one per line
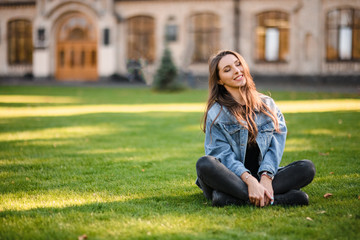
252 153
252 158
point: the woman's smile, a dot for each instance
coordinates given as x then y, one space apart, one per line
239 78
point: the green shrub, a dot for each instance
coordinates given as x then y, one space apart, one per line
166 78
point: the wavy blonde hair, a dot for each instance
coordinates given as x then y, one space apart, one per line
251 97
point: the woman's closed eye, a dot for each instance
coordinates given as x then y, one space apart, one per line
228 68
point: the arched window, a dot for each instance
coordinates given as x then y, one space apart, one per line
141 38
343 34
20 48
205 28
272 36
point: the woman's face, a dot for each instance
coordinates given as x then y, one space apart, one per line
231 72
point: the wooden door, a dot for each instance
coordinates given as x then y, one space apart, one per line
76 51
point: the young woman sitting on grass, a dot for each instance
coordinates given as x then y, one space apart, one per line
245 137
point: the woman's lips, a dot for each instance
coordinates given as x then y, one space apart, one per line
238 78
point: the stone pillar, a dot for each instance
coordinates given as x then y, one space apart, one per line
107 41
41 41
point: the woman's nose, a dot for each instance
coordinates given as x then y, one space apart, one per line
237 70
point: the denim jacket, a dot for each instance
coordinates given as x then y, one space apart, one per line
226 139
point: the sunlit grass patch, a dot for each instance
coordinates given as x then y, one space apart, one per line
94 109
285 106
296 145
328 132
56 199
323 105
56 133
112 150
37 99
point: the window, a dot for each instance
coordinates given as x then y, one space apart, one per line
272 36
171 33
20 48
205 28
171 30
106 36
141 38
343 35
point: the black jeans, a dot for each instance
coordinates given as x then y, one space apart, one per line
213 175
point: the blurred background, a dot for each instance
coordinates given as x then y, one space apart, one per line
284 41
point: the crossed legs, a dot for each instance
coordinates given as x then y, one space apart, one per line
217 181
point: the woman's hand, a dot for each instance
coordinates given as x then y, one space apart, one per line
258 194
267 184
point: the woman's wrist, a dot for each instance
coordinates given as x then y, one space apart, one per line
249 179
267 175
245 177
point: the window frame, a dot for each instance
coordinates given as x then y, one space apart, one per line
149 34
19 42
355 29
199 30
284 35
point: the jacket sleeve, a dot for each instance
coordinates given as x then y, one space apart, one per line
216 145
273 155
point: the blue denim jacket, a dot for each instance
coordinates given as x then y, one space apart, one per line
227 139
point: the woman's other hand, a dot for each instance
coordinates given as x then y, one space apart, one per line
266 182
258 194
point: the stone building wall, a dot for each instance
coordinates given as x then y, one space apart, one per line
306 20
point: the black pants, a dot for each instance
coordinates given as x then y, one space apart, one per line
213 175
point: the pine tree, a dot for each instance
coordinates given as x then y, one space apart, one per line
166 75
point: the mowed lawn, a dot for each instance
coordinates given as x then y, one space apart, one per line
119 163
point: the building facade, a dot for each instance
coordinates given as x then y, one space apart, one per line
96 39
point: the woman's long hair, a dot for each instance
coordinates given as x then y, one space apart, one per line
244 114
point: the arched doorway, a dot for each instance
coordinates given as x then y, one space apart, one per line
76 51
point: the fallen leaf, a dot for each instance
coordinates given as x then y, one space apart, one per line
143 170
340 121
327 195
309 218
331 173
321 212
82 237
359 197
323 154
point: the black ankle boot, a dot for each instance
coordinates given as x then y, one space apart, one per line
220 199
292 198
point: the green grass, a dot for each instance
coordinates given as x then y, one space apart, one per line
130 175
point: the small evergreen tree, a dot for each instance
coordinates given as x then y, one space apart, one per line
166 75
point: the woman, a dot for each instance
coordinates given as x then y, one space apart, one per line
245 137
